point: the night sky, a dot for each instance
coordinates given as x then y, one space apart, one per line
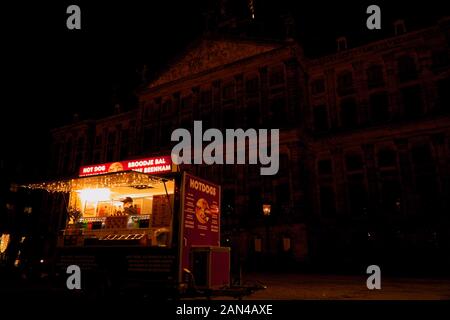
52 73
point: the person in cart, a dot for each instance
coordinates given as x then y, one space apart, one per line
128 207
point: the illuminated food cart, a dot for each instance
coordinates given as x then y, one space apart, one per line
138 225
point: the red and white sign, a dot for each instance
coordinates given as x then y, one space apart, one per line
146 165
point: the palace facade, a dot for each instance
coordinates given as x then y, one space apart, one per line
364 141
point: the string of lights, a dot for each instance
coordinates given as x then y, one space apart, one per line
120 179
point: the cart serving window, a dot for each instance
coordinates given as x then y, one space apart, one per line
126 207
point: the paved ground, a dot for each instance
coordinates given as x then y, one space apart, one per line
297 286
310 287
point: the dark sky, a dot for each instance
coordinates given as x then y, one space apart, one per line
52 72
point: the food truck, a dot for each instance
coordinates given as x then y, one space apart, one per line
140 225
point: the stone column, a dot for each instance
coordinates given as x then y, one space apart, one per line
176 108
216 104
196 104
392 86
406 177
361 91
341 181
239 100
442 170
333 108
264 84
297 178
294 92
372 178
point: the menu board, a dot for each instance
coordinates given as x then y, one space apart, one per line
201 214
161 212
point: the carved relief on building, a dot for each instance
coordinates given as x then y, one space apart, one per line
210 54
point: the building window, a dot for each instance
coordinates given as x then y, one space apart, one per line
206 119
78 160
327 201
98 141
111 147
278 112
282 194
391 195
387 158
80 152
148 137
147 111
443 86
186 103
357 194
349 115
80 146
166 132
186 123
124 143
353 162
379 107
284 165
345 83
425 179
252 87
228 92
421 156
124 136
67 156
123 151
321 118
276 76
255 203
111 138
412 101
96 156
318 86
110 155
406 69
206 97
166 107
324 167
228 118
252 115
440 59
375 77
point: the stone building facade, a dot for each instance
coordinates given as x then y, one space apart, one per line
364 139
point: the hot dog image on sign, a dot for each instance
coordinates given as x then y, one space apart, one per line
202 212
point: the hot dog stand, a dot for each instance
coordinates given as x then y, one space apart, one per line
141 225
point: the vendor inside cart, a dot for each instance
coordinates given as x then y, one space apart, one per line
128 207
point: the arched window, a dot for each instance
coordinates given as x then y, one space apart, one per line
387 158
407 69
345 83
349 113
375 77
